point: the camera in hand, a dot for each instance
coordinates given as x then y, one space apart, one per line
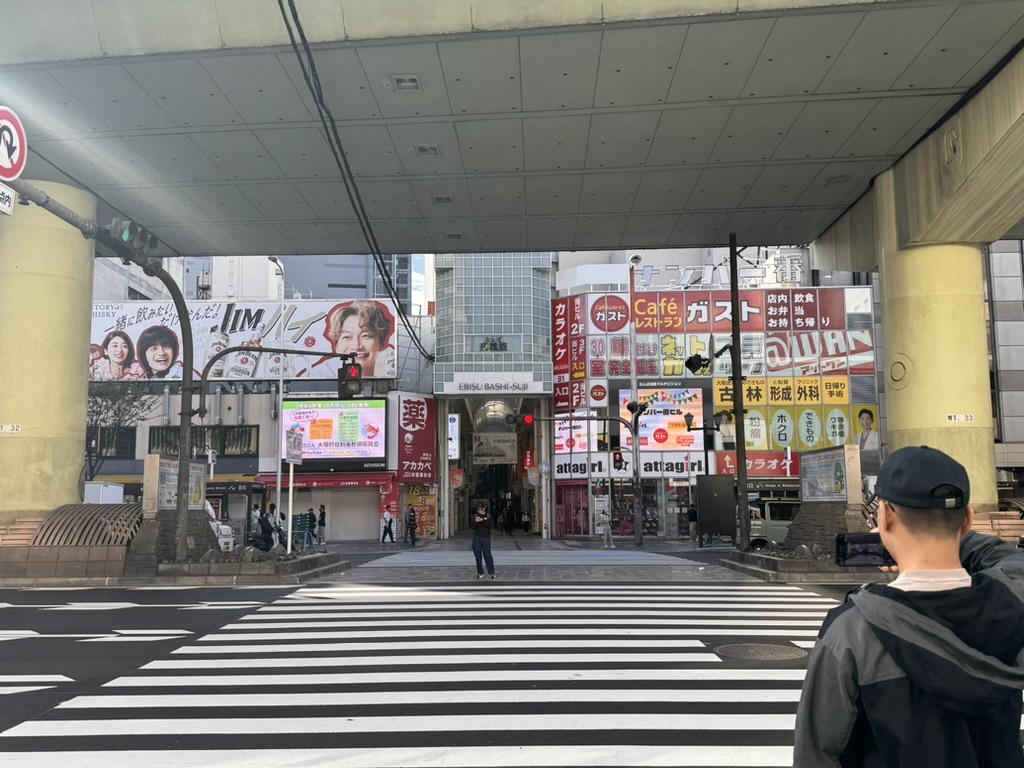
861 549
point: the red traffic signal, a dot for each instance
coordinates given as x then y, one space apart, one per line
350 380
525 419
617 461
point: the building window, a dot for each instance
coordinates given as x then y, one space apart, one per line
136 295
240 441
113 442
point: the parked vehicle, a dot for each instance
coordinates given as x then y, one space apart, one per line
770 519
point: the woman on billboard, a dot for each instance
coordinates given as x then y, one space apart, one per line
158 353
116 358
364 329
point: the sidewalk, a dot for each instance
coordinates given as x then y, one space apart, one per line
522 557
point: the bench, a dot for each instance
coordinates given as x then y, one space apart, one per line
1008 527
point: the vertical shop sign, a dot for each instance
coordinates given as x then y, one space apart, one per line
417 439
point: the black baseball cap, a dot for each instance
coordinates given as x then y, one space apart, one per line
920 477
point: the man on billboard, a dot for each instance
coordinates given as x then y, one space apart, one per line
365 329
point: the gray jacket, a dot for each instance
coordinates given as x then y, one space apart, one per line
934 679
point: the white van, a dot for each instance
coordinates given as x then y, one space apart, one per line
770 519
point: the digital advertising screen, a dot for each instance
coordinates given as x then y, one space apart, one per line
340 434
663 425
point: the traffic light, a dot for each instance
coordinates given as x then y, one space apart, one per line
525 419
617 461
350 380
137 238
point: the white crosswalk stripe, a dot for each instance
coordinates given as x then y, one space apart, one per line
458 675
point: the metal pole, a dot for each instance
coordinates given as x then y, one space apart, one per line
291 497
280 386
638 515
739 420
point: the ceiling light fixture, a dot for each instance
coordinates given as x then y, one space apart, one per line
427 150
406 82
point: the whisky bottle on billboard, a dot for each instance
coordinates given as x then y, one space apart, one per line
218 341
244 362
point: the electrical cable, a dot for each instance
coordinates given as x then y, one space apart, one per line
312 80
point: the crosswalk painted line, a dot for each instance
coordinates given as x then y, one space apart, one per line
10 684
504 558
456 675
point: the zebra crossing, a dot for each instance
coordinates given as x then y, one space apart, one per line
490 674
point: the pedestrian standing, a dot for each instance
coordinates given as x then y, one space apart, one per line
605 521
526 522
500 527
410 526
928 669
482 524
321 524
311 517
691 518
389 527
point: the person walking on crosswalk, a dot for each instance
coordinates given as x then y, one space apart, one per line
482 526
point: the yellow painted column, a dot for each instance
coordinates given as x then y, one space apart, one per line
937 390
46 269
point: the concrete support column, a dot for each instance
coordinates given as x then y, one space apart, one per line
936 359
46 269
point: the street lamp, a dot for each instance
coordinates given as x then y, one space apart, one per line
635 407
280 384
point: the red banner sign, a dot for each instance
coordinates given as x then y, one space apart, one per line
417 439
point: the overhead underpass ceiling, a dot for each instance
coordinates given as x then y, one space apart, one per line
632 135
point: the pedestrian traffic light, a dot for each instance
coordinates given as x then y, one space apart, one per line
517 419
350 380
617 461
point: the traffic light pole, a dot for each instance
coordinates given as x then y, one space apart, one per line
201 410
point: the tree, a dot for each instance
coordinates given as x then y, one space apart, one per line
113 407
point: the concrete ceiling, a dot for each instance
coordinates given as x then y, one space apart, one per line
666 134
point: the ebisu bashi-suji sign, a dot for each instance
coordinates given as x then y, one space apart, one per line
808 358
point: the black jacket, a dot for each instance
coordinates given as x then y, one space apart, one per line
900 679
482 527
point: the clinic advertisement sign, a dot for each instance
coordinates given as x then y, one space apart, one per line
351 433
131 341
417 439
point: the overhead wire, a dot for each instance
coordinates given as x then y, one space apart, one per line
312 79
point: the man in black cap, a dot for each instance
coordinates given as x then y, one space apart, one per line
927 670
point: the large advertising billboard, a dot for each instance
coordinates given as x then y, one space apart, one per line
142 340
663 424
344 434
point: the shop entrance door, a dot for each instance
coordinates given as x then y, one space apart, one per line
572 511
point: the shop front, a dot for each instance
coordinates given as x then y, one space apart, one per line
354 502
587 486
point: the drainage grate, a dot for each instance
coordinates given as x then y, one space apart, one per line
761 652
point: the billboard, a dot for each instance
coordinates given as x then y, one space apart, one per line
578 436
663 425
142 339
343 434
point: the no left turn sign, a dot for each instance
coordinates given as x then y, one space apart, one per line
13 145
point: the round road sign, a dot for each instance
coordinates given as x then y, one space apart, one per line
13 145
